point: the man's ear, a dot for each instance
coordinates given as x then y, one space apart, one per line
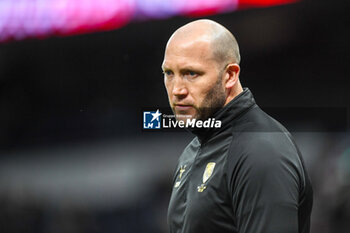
231 75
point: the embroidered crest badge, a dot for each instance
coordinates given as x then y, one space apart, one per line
209 169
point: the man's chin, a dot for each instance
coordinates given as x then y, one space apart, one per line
185 115
184 118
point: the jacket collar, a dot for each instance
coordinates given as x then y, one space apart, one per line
226 115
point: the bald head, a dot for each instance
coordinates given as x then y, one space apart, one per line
201 71
222 43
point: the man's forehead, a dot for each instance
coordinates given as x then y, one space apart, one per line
200 42
183 65
190 49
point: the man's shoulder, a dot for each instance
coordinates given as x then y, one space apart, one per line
261 143
257 127
256 120
257 136
265 154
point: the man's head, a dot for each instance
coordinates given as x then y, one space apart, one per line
201 69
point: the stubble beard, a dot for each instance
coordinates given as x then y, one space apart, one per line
213 101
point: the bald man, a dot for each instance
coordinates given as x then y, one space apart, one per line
246 176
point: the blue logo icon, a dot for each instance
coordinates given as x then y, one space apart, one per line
151 120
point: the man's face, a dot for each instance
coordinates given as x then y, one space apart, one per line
193 80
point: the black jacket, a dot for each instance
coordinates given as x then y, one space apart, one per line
246 177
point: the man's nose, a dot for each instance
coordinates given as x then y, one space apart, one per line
179 88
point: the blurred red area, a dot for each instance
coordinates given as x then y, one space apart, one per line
263 3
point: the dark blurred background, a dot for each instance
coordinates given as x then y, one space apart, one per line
73 156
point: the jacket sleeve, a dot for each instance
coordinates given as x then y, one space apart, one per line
264 185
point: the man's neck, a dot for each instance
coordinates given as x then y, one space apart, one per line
235 91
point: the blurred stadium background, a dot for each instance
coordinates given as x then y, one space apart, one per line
75 76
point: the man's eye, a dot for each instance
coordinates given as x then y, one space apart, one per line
167 72
191 74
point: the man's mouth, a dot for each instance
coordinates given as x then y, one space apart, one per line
182 107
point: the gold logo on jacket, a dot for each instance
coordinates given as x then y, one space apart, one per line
209 169
181 171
